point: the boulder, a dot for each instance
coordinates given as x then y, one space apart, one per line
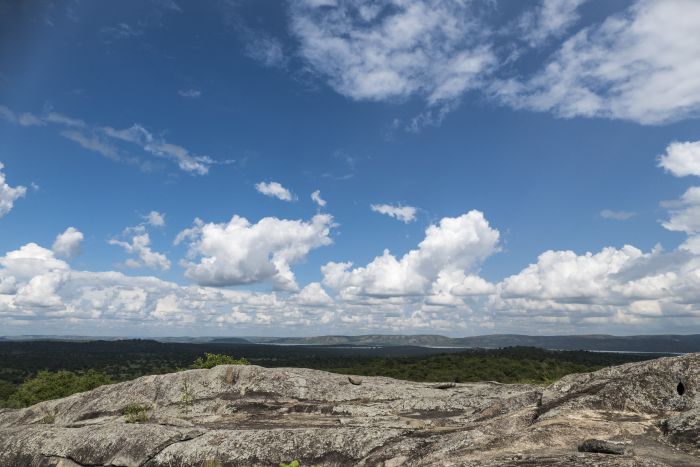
637 414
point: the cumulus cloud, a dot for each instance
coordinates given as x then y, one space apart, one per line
8 194
455 245
316 198
405 214
638 65
391 49
617 215
155 219
139 246
239 252
68 243
274 190
684 212
682 159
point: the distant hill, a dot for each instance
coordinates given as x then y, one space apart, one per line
651 343
597 342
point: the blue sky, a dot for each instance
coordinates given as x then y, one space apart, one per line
486 167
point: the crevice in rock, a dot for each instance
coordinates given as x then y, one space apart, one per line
166 445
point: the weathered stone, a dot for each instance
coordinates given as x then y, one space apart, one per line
601 447
248 415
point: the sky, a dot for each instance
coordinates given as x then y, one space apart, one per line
270 168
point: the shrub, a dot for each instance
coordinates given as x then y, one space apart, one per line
136 413
54 385
294 463
210 360
6 390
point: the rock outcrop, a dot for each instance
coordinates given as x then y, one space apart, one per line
640 414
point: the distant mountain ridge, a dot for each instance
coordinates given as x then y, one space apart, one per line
666 343
598 342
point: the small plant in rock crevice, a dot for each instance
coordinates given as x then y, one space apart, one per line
186 399
136 413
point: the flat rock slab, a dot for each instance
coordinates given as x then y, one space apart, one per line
249 415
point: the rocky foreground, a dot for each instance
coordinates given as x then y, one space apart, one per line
640 414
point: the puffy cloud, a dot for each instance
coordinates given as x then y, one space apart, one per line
190 93
140 247
274 190
155 219
68 243
8 194
313 295
371 50
617 215
454 245
640 65
567 277
684 213
239 252
316 198
405 214
682 159
614 287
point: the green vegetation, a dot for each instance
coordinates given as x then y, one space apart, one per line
136 413
186 399
511 365
34 371
54 385
294 463
210 360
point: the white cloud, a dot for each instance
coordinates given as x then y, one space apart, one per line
617 215
68 243
239 252
265 49
8 194
40 290
274 190
92 142
140 246
682 159
685 212
313 295
28 119
550 18
7 114
316 198
455 245
372 50
58 118
405 214
155 219
190 93
136 134
640 65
